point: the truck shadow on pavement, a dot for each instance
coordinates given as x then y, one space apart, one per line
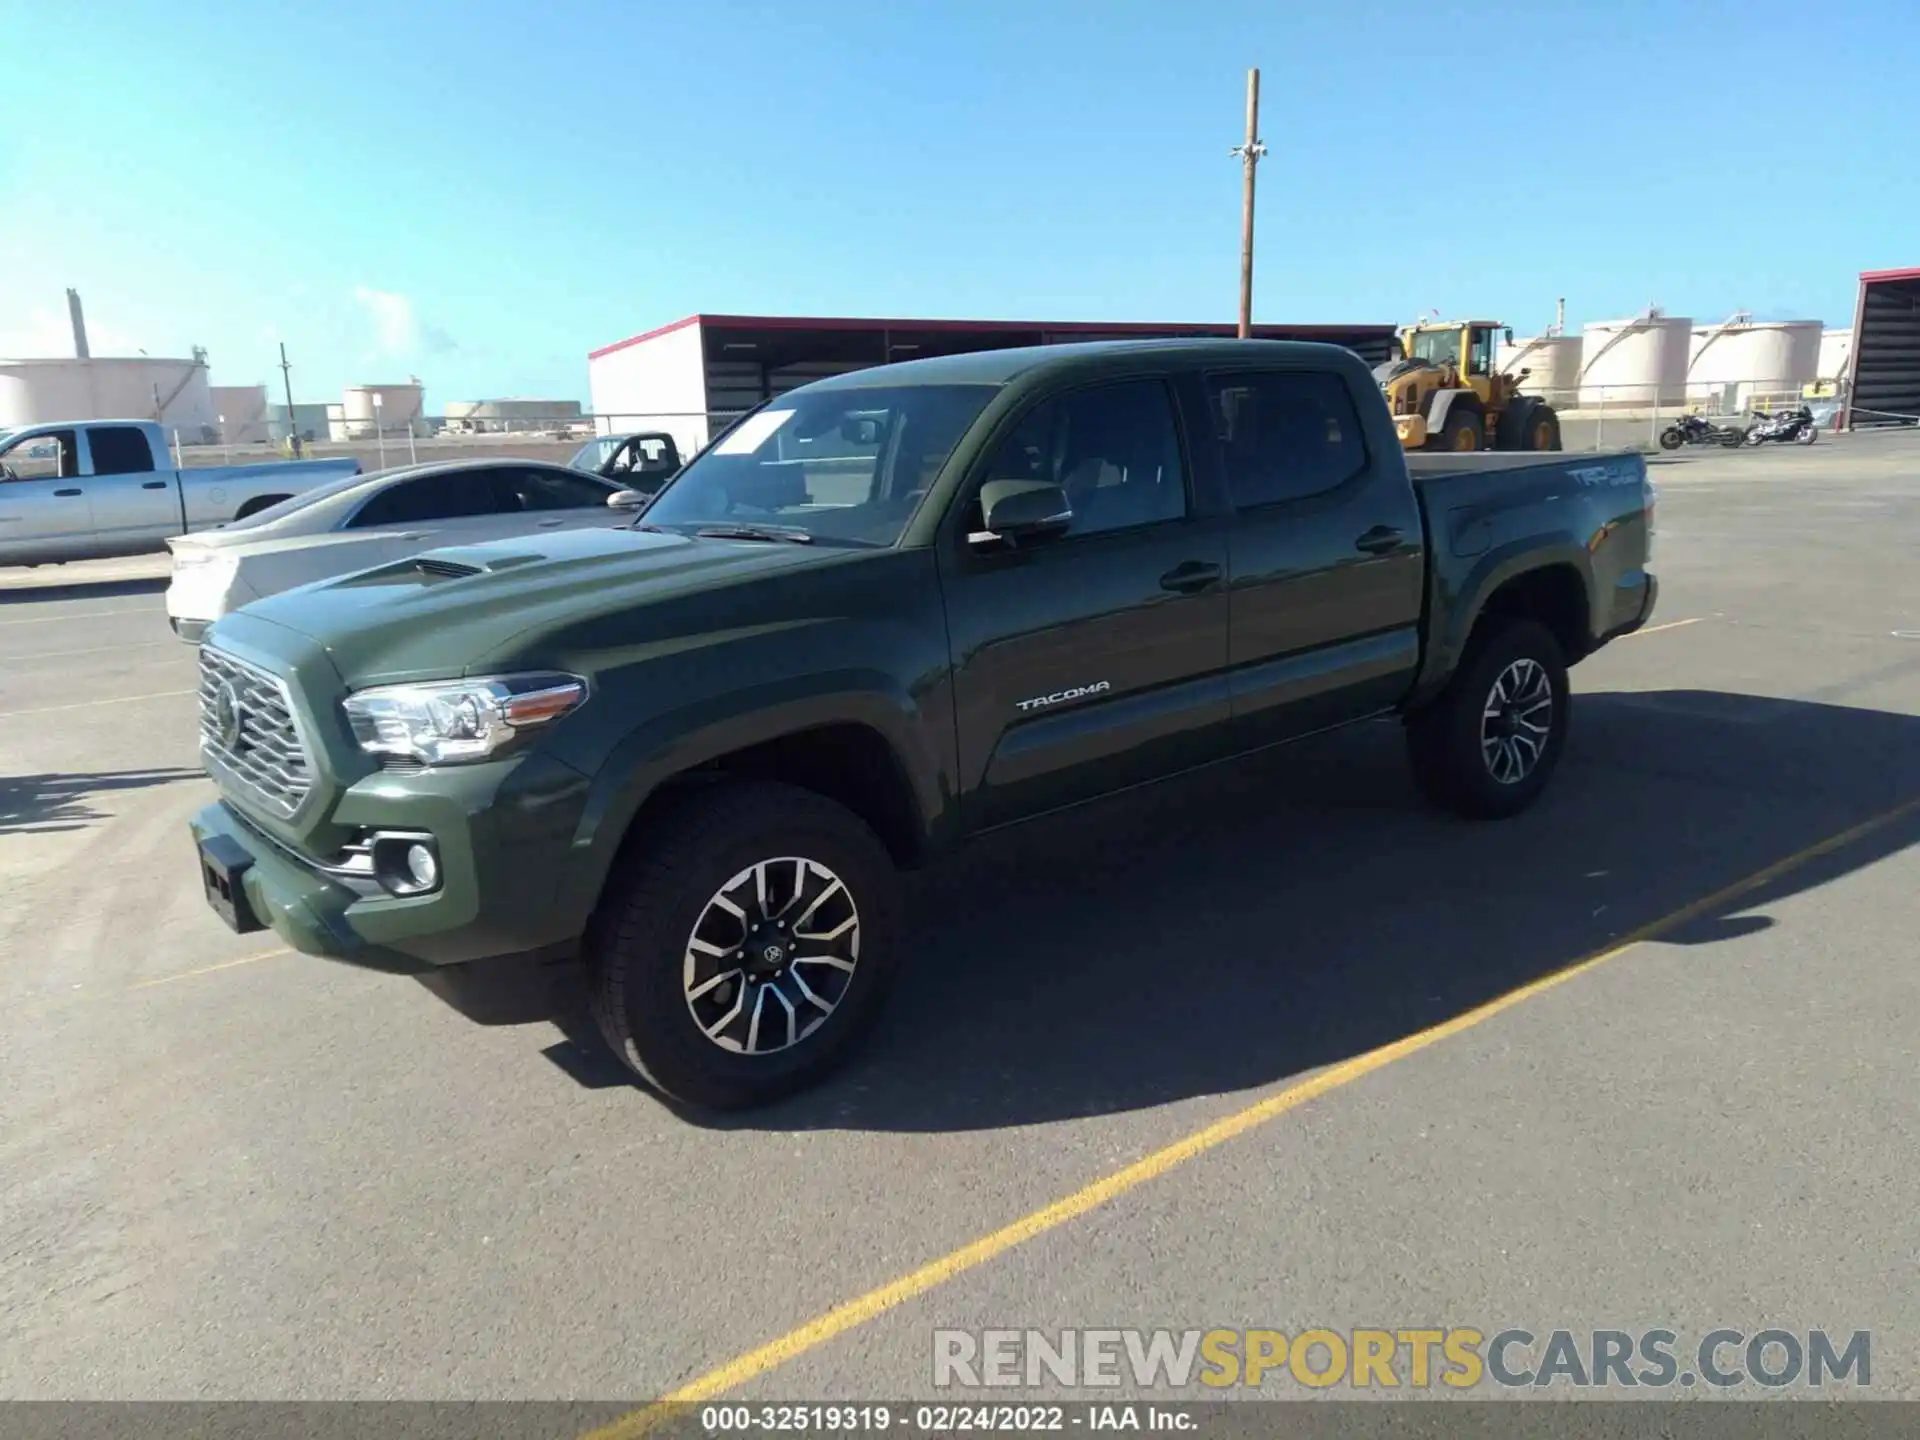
45 804
1228 931
81 590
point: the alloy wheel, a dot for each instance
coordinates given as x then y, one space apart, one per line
1517 721
772 955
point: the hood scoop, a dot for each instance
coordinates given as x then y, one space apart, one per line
455 563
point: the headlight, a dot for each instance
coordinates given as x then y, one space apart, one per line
451 721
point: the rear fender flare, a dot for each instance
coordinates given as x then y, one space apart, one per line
1466 604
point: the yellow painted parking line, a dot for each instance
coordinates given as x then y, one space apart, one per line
1670 625
90 704
209 969
876 1303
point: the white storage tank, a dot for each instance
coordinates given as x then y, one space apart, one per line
1637 362
34 392
240 412
1554 361
399 409
1836 353
1744 361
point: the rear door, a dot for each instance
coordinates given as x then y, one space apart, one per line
1095 660
44 513
135 505
1327 556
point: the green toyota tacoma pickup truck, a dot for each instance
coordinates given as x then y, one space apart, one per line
882 614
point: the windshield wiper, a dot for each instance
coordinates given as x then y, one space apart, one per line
792 534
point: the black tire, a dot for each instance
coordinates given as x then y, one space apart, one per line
1445 738
1808 435
1671 438
644 929
1543 429
1733 437
257 504
1464 430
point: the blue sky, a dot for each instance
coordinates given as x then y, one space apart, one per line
480 193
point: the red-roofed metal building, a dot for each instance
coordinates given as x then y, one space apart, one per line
691 377
1883 377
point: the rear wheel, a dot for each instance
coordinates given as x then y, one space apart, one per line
1543 429
1463 431
1733 437
1808 435
257 504
1486 747
748 948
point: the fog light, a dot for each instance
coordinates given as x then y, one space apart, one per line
422 867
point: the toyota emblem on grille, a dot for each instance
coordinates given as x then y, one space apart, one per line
227 714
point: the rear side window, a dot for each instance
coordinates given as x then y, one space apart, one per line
449 495
552 490
119 450
1285 435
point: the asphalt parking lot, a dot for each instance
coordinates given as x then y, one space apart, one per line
231 1172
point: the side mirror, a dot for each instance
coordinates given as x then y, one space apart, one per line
627 499
1021 511
860 430
1524 373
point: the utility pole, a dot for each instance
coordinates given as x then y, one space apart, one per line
286 379
1249 154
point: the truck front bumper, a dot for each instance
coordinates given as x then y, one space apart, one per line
501 840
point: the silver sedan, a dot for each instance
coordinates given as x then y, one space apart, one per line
368 520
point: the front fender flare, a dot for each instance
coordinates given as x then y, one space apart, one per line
681 740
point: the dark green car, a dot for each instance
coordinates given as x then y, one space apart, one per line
889 611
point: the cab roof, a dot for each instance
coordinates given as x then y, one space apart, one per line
1036 362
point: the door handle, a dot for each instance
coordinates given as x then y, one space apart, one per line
153 485
67 492
1379 540
1191 577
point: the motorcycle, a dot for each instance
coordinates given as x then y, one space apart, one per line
1794 426
1697 430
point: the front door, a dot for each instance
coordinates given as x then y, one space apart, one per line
44 514
1328 563
1094 660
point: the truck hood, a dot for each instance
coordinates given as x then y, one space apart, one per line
448 612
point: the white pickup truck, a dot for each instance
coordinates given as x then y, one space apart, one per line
87 490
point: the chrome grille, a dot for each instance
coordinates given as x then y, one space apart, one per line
248 737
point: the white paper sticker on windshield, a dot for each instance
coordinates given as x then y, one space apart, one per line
752 431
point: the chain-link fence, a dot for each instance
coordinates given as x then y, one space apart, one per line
522 437
1592 417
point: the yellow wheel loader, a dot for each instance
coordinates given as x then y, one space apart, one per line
1446 393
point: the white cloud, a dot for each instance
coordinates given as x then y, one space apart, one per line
47 334
396 331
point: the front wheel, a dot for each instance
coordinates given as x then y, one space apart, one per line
1487 745
1464 431
1672 438
748 948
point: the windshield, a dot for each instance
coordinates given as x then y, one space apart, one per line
848 464
1440 347
595 453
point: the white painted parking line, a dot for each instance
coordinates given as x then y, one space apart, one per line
90 650
86 615
90 704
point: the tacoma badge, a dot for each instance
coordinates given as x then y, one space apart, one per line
1078 692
